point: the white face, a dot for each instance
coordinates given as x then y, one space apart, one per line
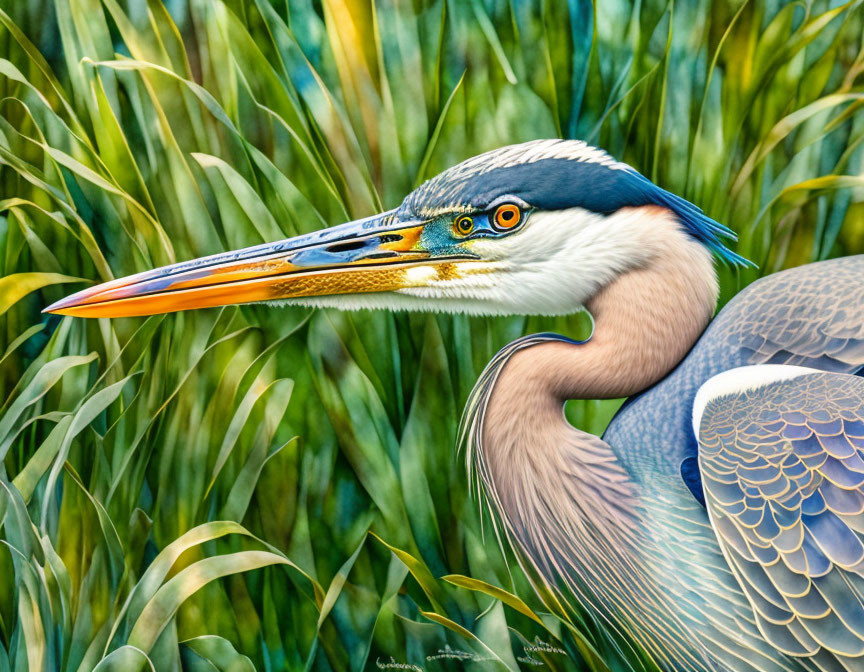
552 265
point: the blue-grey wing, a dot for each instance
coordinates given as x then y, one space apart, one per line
808 316
781 453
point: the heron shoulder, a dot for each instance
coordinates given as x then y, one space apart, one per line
740 380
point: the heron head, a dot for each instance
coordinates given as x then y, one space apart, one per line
534 228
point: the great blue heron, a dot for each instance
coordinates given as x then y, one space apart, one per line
719 521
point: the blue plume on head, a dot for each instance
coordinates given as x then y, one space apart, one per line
699 225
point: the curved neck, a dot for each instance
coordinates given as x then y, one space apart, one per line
645 321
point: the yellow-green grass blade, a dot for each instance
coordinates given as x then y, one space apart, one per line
157 612
125 658
15 287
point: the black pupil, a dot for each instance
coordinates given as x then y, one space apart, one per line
507 215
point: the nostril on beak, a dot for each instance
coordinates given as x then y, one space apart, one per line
346 247
352 245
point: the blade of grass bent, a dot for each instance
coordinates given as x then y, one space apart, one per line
157 613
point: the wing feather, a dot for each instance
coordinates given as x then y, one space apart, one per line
782 464
808 316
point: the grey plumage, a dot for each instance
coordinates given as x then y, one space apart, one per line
783 473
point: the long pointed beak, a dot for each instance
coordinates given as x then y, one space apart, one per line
367 255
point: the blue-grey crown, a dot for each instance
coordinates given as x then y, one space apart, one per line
559 174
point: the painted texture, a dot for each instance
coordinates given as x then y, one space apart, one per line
280 119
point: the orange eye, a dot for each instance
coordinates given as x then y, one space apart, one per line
464 225
507 216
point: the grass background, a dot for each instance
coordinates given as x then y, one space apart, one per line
278 488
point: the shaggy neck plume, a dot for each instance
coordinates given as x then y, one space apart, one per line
561 493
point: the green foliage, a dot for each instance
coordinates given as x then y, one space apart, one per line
278 488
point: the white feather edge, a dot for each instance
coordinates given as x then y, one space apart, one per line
742 379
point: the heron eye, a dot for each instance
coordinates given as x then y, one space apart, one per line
464 225
507 216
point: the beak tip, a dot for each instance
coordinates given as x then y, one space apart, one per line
61 307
